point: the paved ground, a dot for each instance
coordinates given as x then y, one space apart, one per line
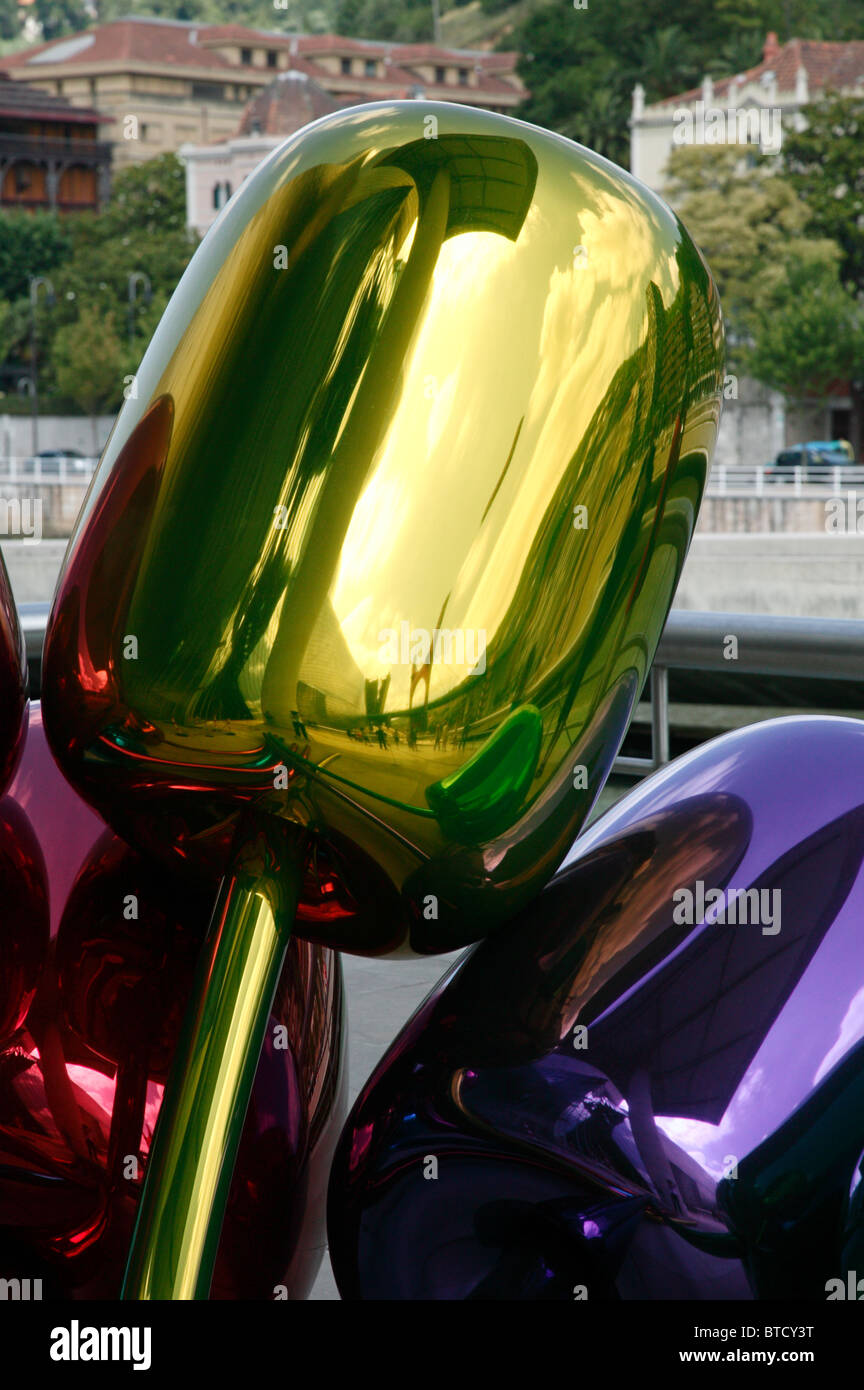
382 996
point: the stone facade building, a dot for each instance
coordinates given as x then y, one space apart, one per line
168 83
51 154
755 107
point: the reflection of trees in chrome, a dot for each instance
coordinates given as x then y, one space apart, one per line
572 595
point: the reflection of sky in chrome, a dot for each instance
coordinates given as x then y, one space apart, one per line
795 782
709 1144
851 1031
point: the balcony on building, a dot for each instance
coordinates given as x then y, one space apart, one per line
51 156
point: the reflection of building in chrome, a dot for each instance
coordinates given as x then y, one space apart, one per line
654 415
331 687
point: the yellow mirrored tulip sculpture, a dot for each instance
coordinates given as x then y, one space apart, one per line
375 563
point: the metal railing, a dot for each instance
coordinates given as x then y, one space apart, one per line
768 480
829 649
38 149
39 469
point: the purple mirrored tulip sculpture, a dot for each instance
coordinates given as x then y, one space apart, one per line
650 1084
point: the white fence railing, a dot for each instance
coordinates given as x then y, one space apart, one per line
47 468
724 480
757 480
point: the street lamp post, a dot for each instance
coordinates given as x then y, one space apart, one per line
37 283
135 279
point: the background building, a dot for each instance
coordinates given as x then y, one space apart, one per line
755 108
789 76
168 83
51 155
213 172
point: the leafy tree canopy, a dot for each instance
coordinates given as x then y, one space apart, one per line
825 166
808 333
31 243
749 223
89 259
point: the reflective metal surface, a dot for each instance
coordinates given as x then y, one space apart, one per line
433 372
13 682
89 1024
646 1086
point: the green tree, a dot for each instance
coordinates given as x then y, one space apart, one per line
825 166
31 243
90 362
749 223
808 333
10 23
142 231
407 21
89 259
793 322
148 197
59 17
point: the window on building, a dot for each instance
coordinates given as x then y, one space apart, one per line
440 75
345 64
208 91
245 55
463 77
371 67
272 58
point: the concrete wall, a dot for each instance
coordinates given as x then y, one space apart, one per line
33 569
799 575
768 515
55 432
39 509
752 428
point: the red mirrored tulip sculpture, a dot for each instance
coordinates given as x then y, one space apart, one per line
13 682
23 891
89 1023
374 566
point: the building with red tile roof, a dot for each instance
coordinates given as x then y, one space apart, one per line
168 83
756 107
752 107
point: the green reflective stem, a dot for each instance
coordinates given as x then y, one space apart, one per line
194 1147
